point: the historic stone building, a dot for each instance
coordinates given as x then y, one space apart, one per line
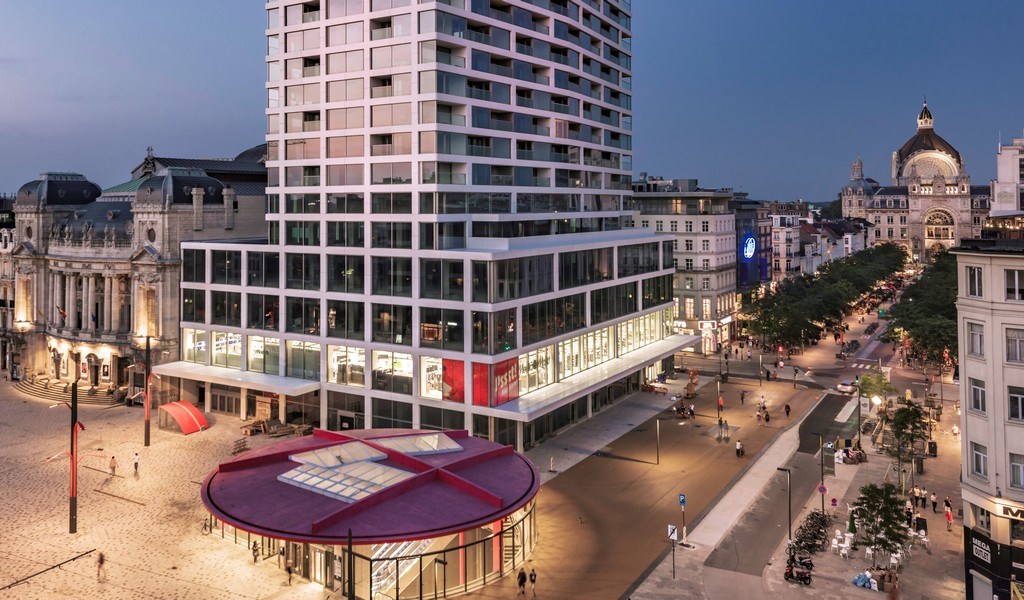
931 203
96 272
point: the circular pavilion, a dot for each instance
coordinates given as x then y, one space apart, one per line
399 512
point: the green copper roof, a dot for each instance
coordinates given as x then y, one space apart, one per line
128 186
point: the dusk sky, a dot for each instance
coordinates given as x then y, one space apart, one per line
775 98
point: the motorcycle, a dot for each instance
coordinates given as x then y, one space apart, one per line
796 574
800 562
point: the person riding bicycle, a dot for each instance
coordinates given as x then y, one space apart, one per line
740 450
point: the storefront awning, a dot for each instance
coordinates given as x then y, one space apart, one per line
275 384
556 395
188 417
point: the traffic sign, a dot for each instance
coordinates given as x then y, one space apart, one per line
682 501
672 533
822 489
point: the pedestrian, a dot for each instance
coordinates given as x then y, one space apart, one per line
924 497
725 428
759 416
949 519
721 403
767 418
947 504
101 569
787 410
255 551
521 580
743 396
775 375
762 404
533 582
135 462
113 466
935 503
280 555
693 413
288 569
915 495
720 427
748 354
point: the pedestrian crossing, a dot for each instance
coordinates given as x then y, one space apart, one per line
870 366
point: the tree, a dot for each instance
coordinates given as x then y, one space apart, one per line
875 383
907 426
882 521
832 210
927 310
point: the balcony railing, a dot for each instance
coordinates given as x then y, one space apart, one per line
451 119
446 178
311 71
311 16
382 33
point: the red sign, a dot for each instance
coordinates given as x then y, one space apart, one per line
453 380
506 381
481 389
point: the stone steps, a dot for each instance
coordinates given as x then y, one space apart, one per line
55 392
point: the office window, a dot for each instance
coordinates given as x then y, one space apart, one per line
391 276
345 90
345 274
302 271
1015 345
193 305
974 286
977 394
303 315
1014 284
1016 470
345 174
1015 397
976 339
227 308
263 311
979 460
346 319
345 62
193 265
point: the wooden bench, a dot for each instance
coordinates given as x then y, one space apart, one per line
659 390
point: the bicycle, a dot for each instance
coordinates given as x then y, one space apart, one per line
207 528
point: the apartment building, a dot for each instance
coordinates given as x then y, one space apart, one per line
1008 188
701 225
447 209
990 327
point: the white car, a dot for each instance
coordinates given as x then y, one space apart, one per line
847 387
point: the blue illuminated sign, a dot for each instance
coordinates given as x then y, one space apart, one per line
749 247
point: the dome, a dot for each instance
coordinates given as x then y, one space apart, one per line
254 154
59 189
927 140
174 185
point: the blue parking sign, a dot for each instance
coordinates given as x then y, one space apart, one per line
682 500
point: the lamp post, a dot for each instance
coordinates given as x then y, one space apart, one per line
718 400
856 382
145 393
73 457
760 368
789 492
821 451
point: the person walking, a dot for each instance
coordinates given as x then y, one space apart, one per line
135 462
767 418
533 582
949 519
743 396
759 416
721 403
255 551
288 569
935 503
748 354
101 569
720 428
693 413
924 497
915 495
787 410
725 429
947 504
113 466
521 580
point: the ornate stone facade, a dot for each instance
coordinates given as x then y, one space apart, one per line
931 203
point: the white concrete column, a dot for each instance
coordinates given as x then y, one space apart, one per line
243 409
116 301
107 292
55 300
73 280
93 322
68 280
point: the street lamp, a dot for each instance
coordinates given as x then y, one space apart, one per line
76 426
789 492
145 393
856 382
821 451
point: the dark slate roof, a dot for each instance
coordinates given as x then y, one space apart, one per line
980 190
927 139
175 185
212 165
249 188
59 189
128 186
101 220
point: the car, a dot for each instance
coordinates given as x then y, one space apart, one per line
847 387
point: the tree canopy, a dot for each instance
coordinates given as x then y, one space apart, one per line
927 310
800 307
882 522
832 210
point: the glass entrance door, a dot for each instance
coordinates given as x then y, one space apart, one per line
318 566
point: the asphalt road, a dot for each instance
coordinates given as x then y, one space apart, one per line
749 546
